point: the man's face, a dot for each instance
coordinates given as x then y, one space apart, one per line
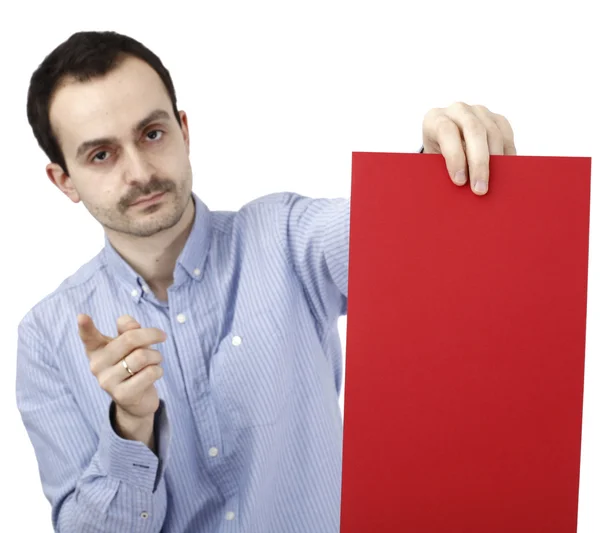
121 142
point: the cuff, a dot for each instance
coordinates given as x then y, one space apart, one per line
132 462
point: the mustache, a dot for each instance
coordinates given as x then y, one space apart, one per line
154 186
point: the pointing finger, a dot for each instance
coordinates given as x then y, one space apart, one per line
89 334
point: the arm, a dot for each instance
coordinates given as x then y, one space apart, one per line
94 483
315 236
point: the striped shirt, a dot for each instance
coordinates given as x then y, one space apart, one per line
249 428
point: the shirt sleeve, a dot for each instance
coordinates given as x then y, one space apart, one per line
95 481
315 233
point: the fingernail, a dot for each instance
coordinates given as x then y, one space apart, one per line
481 186
460 177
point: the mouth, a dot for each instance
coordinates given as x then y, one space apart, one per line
147 200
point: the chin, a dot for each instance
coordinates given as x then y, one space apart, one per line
163 220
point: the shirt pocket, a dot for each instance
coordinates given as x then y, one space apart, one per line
252 371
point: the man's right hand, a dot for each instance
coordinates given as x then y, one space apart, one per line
135 397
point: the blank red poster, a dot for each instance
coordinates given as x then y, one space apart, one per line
465 346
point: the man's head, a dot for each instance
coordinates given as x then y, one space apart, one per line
103 108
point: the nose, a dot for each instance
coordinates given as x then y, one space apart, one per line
137 168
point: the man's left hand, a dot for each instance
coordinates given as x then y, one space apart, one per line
466 136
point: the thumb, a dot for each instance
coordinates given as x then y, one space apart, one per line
91 337
126 323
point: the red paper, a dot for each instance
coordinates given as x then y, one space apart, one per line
465 348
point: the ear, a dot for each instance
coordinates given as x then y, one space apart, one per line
185 130
63 181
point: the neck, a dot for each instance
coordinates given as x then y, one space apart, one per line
154 257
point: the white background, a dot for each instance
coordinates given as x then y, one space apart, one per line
278 96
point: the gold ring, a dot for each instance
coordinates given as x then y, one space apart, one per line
126 366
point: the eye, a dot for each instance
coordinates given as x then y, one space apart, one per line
100 156
154 135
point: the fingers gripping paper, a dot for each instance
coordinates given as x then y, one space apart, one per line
465 346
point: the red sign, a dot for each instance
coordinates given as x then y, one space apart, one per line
465 348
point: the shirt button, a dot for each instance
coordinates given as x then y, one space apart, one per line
181 318
144 515
134 293
196 272
213 452
236 341
229 515
146 288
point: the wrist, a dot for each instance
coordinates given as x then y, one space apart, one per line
136 428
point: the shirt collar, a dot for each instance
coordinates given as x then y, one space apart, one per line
190 262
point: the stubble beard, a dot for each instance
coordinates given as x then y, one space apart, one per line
146 221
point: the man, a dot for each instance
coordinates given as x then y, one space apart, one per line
187 378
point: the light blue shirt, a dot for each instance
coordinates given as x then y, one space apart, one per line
249 429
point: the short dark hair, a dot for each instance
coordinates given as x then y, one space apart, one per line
83 56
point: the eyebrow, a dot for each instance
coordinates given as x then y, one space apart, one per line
157 114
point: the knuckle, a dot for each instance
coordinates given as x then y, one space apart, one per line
504 125
432 114
441 120
460 105
94 366
480 161
479 169
150 335
153 356
501 119
481 109
103 382
137 358
443 124
495 135
129 341
157 334
473 125
122 321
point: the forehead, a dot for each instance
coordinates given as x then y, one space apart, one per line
107 106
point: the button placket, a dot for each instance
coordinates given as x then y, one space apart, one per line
186 333
231 515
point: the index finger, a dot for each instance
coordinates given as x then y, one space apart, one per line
89 334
